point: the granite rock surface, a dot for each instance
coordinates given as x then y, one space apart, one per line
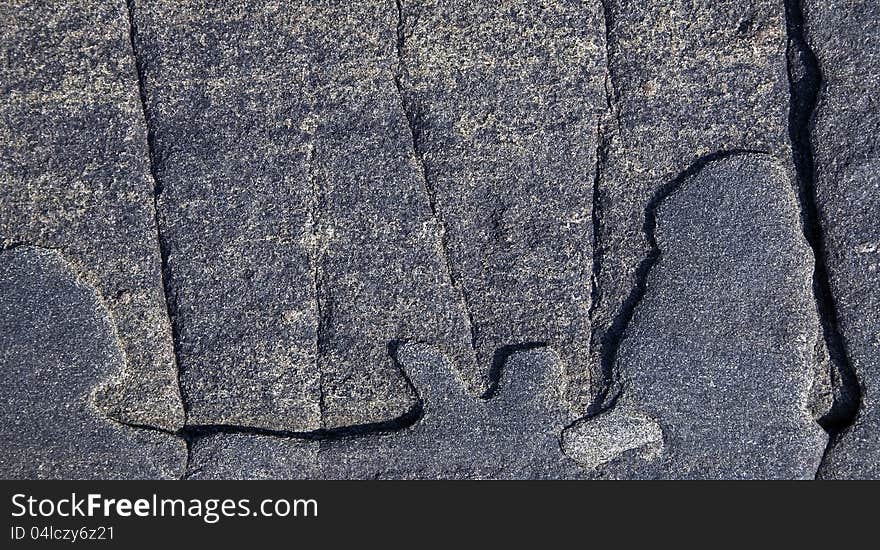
718 356
439 239
845 39
75 176
57 343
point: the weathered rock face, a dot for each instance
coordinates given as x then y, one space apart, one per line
424 239
688 79
301 242
231 159
505 100
74 175
514 434
57 343
720 352
845 37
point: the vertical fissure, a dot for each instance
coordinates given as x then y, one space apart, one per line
429 187
604 370
170 295
599 341
165 272
805 85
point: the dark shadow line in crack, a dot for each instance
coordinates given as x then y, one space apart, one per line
805 86
412 416
804 98
499 362
612 338
171 306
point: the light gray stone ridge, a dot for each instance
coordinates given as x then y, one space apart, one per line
686 79
74 175
299 233
845 37
609 435
720 350
504 100
57 343
514 434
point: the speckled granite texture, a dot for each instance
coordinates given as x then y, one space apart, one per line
428 239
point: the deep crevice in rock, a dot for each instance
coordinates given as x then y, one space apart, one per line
605 371
606 395
805 84
412 416
613 337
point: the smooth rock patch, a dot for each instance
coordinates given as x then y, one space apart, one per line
57 344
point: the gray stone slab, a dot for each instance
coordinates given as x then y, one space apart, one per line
413 238
249 456
74 175
300 238
688 79
720 352
57 344
845 36
514 434
230 156
504 100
